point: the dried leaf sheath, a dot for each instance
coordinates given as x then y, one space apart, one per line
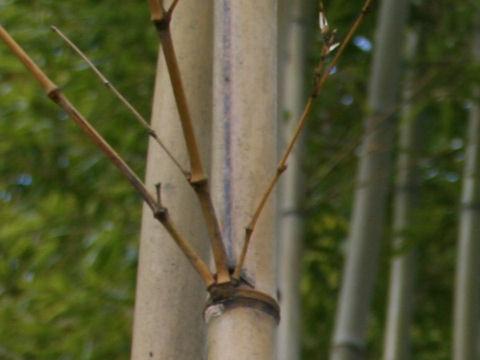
160 213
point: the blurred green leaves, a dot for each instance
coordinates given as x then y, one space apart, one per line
68 222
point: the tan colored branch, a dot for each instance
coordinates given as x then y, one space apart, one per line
46 83
282 165
197 172
159 212
156 10
198 178
108 84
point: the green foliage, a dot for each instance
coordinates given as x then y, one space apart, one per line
69 223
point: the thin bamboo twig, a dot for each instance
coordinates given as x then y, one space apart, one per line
198 179
161 19
159 212
282 165
109 85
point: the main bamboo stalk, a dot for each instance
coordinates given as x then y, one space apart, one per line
244 147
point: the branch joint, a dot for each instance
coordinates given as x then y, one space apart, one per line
162 24
228 296
367 9
198 182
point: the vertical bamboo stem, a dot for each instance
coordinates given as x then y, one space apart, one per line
243 154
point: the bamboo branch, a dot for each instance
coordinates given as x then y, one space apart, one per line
159 212
282 165
198 179
108 84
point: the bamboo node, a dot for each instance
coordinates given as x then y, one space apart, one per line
198 181
226 297
353 345
367 8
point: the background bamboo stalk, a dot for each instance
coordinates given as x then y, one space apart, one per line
403 265
169 301
467 283
292 61
368 215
